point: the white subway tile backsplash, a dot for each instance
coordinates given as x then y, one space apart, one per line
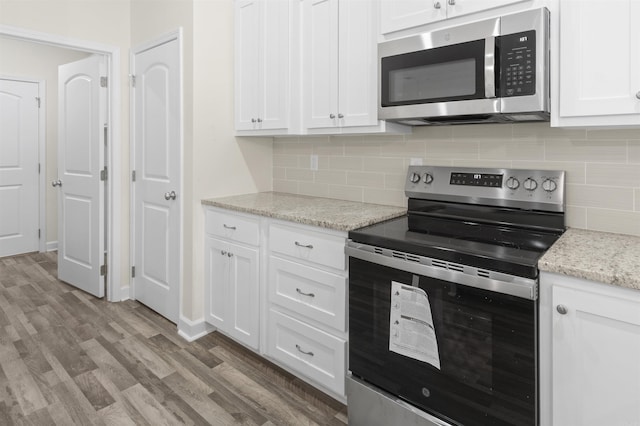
367 179
602 166
614 174
610 151
620 222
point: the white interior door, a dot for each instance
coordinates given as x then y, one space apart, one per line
82 117
158 176
18 167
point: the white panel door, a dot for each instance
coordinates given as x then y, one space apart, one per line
18 167
320 63
157 164
81 117
247 61
244 293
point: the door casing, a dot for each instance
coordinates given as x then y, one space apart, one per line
113 156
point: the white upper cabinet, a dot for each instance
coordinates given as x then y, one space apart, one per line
396 15
339 58
262 65
599 63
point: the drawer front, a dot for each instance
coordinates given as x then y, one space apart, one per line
237 228
311 352
308 291
323 249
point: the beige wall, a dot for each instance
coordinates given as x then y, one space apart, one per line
603 166
41 64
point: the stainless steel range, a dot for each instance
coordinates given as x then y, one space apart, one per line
443 302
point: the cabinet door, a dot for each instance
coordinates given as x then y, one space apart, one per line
357 81
274 103
398 15
243 290
463 7
216 277
599 58
596 348
320 63
247 63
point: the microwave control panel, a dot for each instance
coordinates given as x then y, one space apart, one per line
517 64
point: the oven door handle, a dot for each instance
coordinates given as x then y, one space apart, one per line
507 284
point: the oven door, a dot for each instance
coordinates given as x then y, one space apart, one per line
470 360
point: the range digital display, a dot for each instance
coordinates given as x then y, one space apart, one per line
476 179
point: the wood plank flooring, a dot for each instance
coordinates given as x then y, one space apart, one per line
68 358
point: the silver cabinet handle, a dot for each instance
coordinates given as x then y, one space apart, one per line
304 352
332 116
305 294
229 254
259 120
233 228
562 310
452 2
170 195
340 115
56 183
638 95
253 120
222 252
309 246
436 5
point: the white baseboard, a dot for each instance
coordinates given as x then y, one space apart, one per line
193 330
51 246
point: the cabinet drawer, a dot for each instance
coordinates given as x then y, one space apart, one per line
323 249
313 353
308 291
234 227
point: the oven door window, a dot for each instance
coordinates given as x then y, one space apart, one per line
446 73
486 347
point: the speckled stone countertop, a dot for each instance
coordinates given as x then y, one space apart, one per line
597 256
323 212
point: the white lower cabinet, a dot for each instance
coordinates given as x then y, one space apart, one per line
232 292
589 352
280 289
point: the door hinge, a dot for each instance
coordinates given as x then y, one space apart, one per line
133 272
132 79
133 176
104 81
106 127
38 100
38 168
103 270
104 175
38 234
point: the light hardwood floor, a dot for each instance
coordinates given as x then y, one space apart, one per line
68 358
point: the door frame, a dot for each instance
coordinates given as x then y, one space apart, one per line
113 218
42 156
162 39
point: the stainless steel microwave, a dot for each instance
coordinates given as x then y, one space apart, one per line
494 70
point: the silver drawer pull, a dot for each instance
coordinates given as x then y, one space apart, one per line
309 246
222 252
300 350
305 294
229 227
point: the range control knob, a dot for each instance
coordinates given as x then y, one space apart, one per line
415 178
427 178
513 183
530 184
549 185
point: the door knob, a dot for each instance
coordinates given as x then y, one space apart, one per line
562 310
56 183
436 5
170 195
638 95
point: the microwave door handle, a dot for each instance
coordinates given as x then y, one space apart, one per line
490 67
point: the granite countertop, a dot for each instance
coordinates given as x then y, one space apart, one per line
323 212
597 256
